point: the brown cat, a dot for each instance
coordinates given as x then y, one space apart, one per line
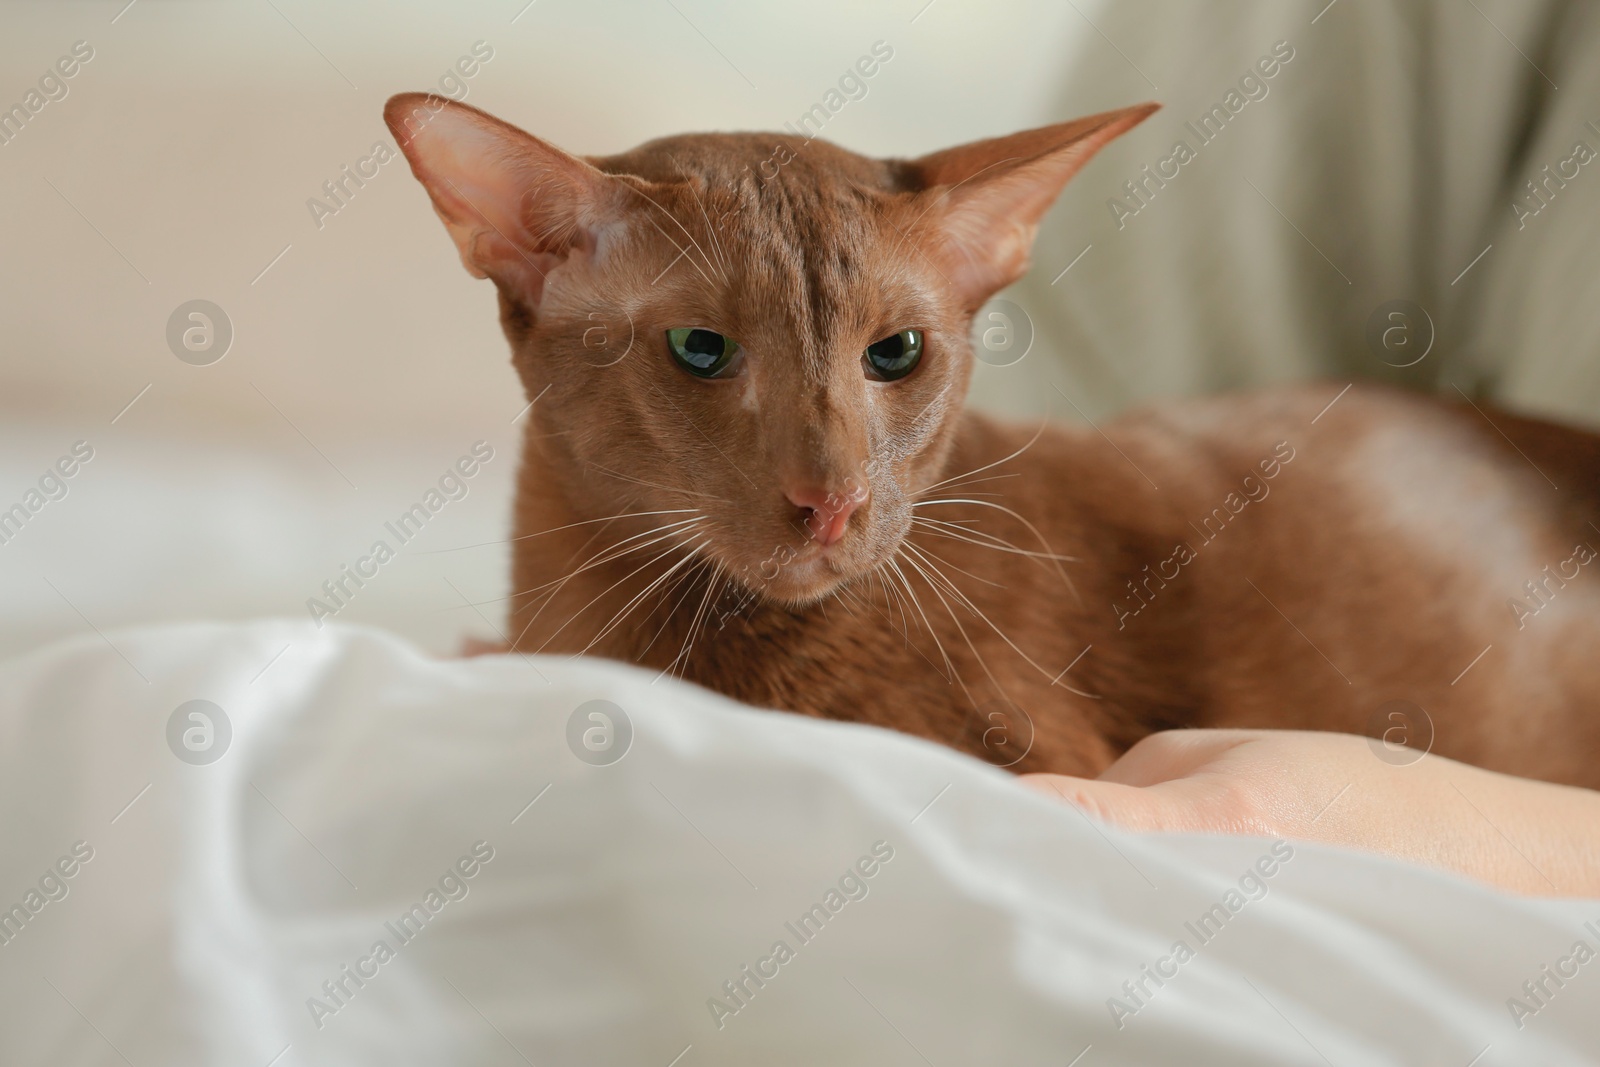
747 464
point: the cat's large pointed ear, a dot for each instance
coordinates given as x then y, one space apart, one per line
990 195
514 205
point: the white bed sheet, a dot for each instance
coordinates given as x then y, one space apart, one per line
220 897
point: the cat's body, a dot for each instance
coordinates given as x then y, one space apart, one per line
1374 565
814 525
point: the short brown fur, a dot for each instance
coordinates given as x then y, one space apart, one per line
985 568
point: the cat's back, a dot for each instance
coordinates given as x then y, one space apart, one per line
1405 455
1361 544
1396 447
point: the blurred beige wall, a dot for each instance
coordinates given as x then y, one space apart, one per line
178 167
180 163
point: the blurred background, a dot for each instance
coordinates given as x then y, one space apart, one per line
1382 169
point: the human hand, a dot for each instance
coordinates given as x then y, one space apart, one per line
1522 835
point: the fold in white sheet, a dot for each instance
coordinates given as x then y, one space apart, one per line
606 906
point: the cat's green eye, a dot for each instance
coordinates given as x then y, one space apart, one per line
895 356
703 353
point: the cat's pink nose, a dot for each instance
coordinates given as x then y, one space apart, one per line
825 514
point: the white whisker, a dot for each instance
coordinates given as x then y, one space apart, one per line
1051 555
607 555
653 485
627 608
558 529
685 581
929 552
970 606
686 233
694 627
959 629
618 550
987 466
711 233
573 617
894 564
955 532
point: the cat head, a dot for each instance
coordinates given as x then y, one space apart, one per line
761 338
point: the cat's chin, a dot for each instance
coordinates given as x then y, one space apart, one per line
807 580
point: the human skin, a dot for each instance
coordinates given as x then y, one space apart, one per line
1520 835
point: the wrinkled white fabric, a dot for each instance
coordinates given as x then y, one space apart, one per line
619 899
